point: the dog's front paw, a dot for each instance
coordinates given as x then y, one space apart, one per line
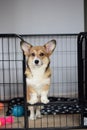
33 101
44 100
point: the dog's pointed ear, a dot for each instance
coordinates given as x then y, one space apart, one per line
50 46
25 47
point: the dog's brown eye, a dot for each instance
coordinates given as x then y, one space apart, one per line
32 54
41 54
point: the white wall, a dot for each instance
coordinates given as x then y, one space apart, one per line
41 16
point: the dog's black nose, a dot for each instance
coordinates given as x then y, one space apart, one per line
36 61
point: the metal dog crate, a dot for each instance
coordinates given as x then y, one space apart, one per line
68 92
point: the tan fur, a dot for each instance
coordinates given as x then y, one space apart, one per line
28 73
47 73
38 73
30 90
45 88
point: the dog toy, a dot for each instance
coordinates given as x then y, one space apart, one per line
18 111
14 102
6 120
1 106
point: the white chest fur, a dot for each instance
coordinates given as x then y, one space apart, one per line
37 81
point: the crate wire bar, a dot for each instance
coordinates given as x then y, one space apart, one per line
68 91
82 74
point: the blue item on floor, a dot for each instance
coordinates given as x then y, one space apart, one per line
18 111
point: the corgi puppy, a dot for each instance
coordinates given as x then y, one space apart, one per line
38 73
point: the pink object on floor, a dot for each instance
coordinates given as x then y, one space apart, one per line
6 120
